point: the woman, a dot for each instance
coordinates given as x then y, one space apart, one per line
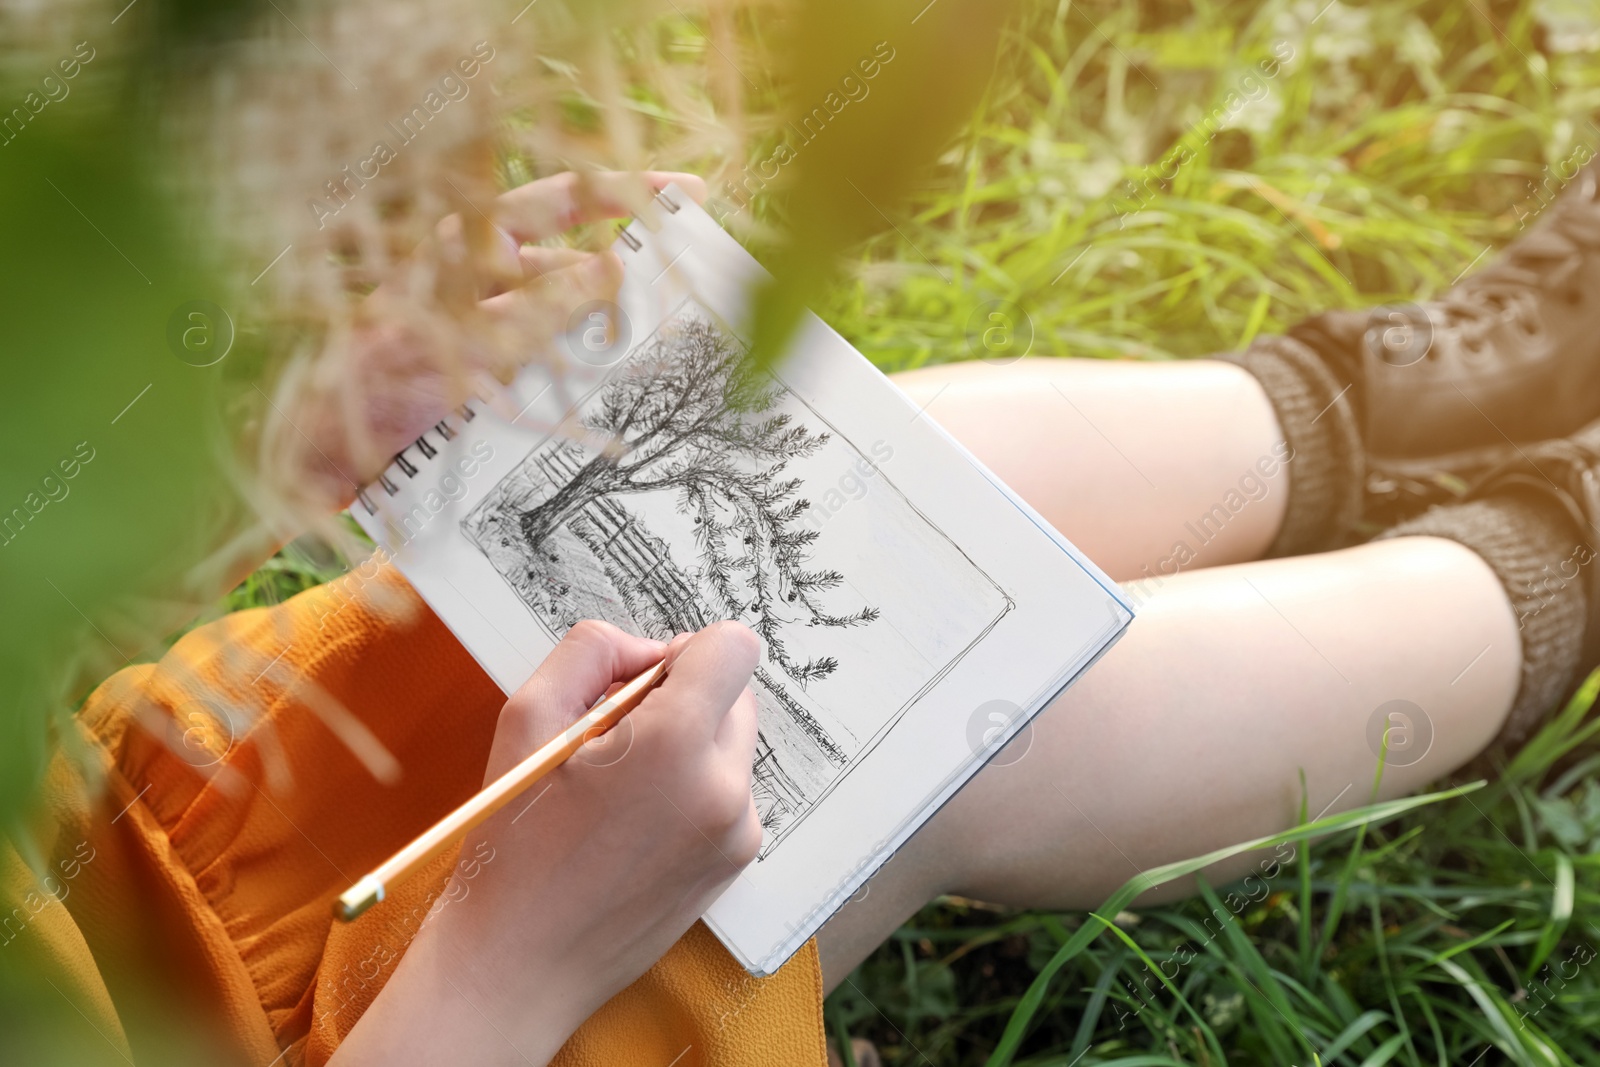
564 932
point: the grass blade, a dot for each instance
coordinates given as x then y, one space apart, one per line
1022 1015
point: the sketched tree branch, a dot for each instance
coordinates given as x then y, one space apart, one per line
691 415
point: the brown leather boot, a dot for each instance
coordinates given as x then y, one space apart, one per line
1419 400
1511 353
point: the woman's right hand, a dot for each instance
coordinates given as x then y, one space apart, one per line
598 870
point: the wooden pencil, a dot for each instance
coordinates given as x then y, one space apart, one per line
602 717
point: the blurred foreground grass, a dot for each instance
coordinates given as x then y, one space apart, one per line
1168 179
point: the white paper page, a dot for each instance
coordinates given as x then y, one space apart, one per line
915 613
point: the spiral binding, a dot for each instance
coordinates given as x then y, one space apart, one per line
425 448
670 205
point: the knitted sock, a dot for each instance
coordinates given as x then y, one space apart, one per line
1535 549
1339 338
1327 463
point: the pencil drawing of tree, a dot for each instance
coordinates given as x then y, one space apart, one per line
690 415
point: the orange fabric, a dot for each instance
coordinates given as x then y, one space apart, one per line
215 852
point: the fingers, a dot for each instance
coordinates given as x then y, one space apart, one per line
546 207
736 734
706 676
484 257
587 661
692 184
520 264
557 280
561 290
523 321
537 261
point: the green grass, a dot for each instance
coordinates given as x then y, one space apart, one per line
1348 181
1398 145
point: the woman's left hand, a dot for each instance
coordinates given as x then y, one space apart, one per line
346 418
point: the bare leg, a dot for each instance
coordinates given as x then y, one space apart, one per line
1191 734
1127 459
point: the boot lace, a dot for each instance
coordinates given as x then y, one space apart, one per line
1549 258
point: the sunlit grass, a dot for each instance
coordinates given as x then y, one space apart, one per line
1329 182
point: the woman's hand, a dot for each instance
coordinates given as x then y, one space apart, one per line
597 870
398 372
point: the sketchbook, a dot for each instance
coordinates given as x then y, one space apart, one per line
915 614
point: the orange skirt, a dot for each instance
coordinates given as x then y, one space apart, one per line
194 883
